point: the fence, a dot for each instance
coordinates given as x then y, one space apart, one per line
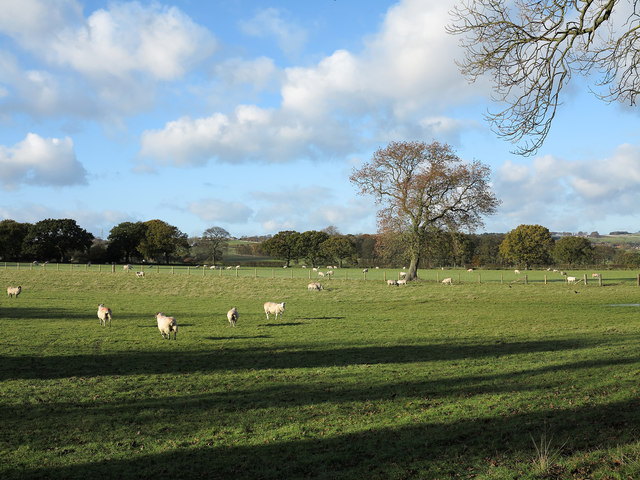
458 276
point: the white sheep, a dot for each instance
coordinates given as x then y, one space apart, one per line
329 273
402 281
140 274
392 283
517 272
595 275
403 274
127 267
313 286
274 308
232 316
166 325
104 314
571 279
365 270
469 270
447 281
11 291
321 274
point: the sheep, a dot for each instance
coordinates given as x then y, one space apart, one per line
104 314
166 325
274 308
595 275
365 270
232 316
571 279
140 274
321 274
329 273
403 274
11 291
392 283
402 281
469 270
447 281
127 267
517 272
315 286
563 273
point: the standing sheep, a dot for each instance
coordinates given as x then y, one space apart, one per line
447 281
166 325
232 316
315 286
104 314
274 308
11 291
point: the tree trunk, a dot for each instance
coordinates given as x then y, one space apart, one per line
412 274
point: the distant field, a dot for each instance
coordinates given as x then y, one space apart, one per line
632 239
489 378
434 275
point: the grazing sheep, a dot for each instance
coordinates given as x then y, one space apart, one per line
469 270
127 267
402 281
166 325
517 272
595 275
321 274
104 314
403 274
447 281
11 291
315 286
563 273
571 279
365 270
232 316
329 273
274 308
392 283
140 274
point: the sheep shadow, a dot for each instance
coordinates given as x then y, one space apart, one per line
237 337
288 324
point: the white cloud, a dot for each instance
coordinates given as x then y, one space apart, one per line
105 65
259 73
573 193
213 210
40 161
397 88
269 23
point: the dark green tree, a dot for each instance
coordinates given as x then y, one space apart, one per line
162 241
12 235
528 245
338 248
124 240
283 245
310 246
573 251
52 239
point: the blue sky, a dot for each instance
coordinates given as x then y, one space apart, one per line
251 115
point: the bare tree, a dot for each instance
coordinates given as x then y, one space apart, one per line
424 188
532 48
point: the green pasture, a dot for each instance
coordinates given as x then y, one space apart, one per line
490 378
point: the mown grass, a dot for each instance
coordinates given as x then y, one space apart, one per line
478 380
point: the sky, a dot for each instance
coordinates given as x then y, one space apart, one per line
251 116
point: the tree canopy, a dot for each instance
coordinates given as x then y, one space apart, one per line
56 239
573 250
214 240
531 49
124 239
162 241
528 245
424 188
12 235
283 245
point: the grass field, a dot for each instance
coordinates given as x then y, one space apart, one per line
496 379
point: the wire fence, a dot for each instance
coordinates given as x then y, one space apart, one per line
456 276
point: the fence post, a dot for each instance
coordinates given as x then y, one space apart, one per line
255 273
526 279
479 278
171 269
272 273
501 278
438 277
585 278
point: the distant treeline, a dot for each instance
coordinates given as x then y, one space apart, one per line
62 240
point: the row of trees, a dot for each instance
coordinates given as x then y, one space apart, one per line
63 240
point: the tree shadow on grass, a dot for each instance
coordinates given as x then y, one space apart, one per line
266 357
277 325
437 449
